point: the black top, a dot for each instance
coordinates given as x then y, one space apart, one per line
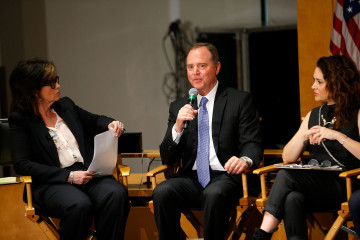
340 153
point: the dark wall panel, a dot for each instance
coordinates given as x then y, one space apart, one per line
273 77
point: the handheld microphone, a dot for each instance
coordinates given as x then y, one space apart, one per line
193 92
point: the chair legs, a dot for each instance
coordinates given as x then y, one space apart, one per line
335 228
243 221
315 229
246 222
48 228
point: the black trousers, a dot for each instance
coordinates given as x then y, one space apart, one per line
76 205
354 206
179 194
298 192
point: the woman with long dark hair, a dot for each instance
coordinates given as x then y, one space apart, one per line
330 133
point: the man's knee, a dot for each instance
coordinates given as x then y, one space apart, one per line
162 191
215 196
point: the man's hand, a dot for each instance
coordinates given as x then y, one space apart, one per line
186 113
236 165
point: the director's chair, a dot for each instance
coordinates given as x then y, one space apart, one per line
50 226
344 213
316 230
243 220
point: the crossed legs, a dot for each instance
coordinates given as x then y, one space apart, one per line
295 193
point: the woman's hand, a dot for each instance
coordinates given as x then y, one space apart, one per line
81 177
117 127
319 134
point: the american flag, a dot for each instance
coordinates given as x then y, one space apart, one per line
345 38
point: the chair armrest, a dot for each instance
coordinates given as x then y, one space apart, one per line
152 174
29 208
26 179
123 172
157 170
266 169
348 175
261 202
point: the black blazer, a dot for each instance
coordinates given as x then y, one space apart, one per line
34 152
235 132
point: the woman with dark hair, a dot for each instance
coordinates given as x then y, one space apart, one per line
329 132
53 142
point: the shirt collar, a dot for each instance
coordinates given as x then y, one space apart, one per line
210 96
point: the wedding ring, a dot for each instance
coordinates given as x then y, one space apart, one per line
236 166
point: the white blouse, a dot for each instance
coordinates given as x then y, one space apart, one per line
66 144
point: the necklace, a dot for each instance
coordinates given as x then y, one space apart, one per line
50 117
328 124
323 144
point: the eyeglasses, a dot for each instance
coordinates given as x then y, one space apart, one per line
52 84
314 162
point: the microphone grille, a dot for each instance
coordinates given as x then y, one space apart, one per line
193 91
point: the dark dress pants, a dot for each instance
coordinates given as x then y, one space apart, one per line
298 192
180 194
76 205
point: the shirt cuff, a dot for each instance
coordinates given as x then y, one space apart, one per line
248 161
176 136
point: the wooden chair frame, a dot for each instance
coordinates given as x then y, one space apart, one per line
49 225
239 219
343 213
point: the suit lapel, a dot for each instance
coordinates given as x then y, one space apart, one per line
218 112
41 131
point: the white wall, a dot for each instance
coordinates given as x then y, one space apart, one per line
110 61
109 53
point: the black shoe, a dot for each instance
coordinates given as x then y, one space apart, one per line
261 235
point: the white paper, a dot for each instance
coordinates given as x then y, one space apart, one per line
105 153
310 167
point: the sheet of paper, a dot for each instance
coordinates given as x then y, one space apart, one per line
105 153
8 180
308 167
